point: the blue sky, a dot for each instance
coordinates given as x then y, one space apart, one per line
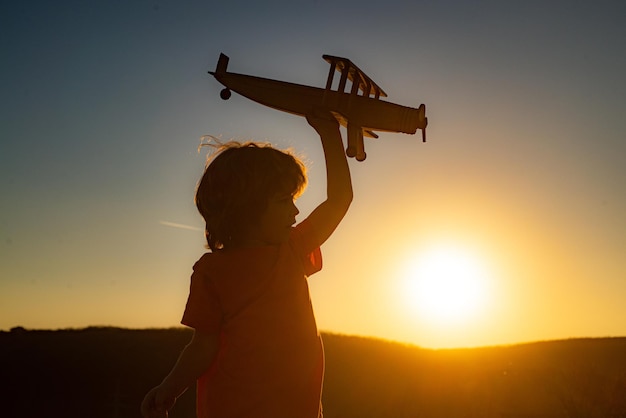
102 106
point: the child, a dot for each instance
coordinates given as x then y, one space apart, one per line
256 351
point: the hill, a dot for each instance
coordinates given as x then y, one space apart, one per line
104 372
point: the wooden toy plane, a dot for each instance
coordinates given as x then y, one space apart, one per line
361 114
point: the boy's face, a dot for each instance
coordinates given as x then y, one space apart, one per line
276 222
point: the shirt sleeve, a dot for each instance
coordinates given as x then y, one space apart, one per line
306 244
202 311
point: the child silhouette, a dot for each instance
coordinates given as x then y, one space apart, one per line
256 351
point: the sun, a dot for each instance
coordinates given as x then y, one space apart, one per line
445 284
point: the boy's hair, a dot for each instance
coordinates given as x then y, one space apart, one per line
238 181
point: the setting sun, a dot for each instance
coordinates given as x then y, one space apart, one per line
445 285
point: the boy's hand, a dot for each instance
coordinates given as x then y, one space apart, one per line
322 121
156 403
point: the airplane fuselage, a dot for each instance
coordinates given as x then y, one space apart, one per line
369 113
360 114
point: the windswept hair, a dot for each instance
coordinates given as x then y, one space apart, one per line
238 181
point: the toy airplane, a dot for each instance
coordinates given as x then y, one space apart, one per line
361 114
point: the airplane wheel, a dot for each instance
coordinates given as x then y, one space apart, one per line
225 94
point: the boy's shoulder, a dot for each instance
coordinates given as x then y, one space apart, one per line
202 261
228 260
302 240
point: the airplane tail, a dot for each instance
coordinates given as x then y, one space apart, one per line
222 64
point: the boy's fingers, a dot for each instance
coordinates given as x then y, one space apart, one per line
322 120
320 113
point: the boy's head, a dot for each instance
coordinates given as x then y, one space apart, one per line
237 184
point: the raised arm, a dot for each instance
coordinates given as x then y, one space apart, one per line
329 213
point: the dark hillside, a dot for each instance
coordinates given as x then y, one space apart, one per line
88 373
104 372
570 378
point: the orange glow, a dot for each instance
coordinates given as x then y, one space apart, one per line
445 285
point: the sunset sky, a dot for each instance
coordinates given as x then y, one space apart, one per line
522 181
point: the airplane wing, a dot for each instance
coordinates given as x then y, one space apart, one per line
358 78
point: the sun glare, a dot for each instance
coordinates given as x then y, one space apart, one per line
445 285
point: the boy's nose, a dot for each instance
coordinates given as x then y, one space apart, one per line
294 209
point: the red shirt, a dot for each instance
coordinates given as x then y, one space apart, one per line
270 362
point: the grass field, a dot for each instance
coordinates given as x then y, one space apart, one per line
104 372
